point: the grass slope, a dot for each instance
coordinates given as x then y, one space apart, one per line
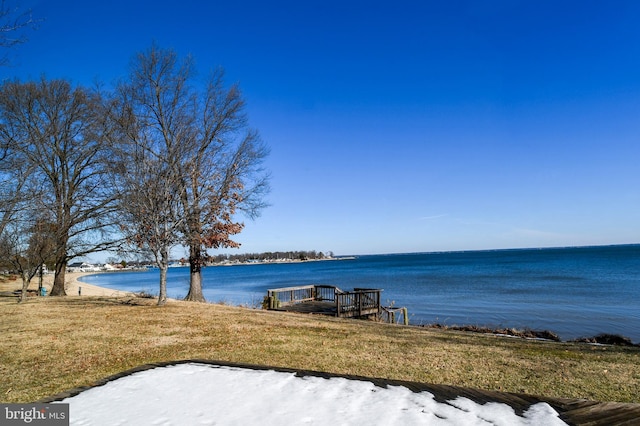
52 344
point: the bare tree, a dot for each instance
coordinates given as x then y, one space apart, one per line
149 213
13 249
207 144
225 175
148 206
14 176
14 173
57 132
26 245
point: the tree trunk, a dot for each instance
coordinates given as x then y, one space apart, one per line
163 265
58 281
40 279
195 276
195 286
25 285
162 297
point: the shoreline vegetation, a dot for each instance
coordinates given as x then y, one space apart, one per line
102 335
274 257
285 260
599 339
221 260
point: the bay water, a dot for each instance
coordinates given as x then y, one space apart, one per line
573 292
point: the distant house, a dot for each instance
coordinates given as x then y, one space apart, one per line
82 267
111 267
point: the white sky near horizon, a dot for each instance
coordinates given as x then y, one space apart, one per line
199 394
403 126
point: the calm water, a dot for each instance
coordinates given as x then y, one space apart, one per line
572 291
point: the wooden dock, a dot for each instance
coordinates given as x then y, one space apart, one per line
326 300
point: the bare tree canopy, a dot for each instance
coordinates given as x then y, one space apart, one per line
56 132
211 156
12 23
148 203
148 208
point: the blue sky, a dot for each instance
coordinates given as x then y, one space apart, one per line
401 126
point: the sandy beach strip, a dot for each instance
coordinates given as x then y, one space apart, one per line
73 286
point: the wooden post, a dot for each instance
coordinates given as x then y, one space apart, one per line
274 303
406 316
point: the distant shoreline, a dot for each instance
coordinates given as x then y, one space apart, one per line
279 261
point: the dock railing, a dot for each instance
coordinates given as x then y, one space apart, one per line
358 303
281 297
326 293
